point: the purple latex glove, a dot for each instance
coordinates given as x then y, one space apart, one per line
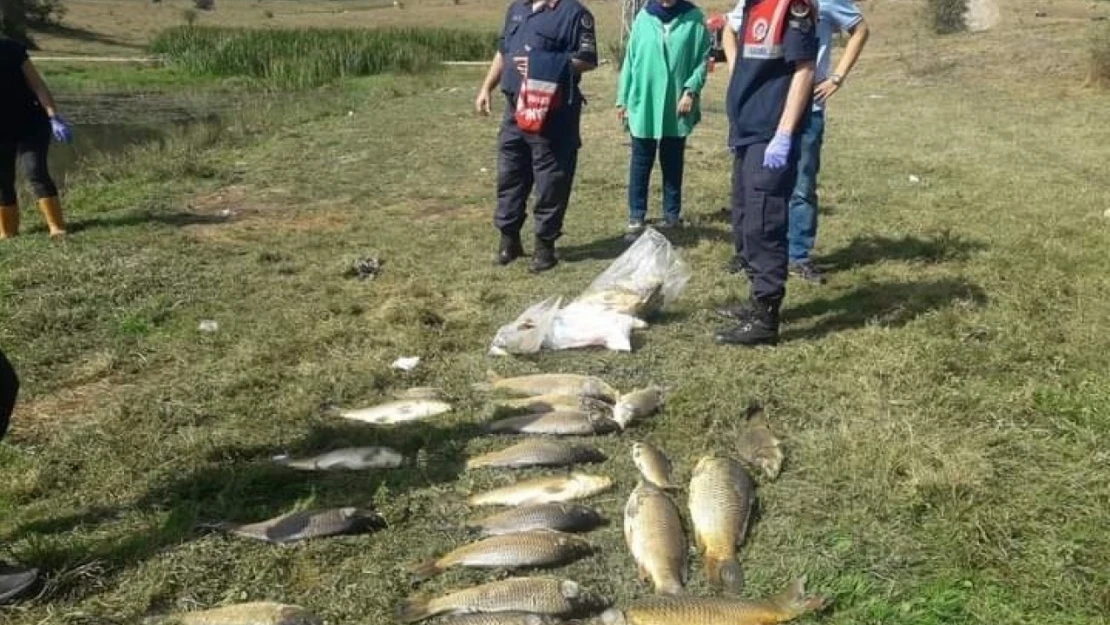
774 157
61 129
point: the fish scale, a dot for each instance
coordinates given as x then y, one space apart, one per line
562 422
780 608
555 516
654 534
535 595
720 501
552 384
537 453
256 613
304 525
653 465
503 618
534 548
544 490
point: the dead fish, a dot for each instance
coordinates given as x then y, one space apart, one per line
638 301
536 548
563 517
350 458
548 403
758 446
537 453
500 618
637 405
296 526
721 498
559 423
654 534
255 613
785 606
544 490
398 411
653 465
551 384
535 595
433 393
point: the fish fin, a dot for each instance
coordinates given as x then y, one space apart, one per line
413 610
732 576
425 570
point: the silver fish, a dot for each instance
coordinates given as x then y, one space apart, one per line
637 405
398 411
536 595
560 423
254 613
550 384
537 453
535 548
350 458
552 489
304 525
563 517
653 465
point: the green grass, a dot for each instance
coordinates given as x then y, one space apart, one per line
942 400
299 58
1100 55
947 16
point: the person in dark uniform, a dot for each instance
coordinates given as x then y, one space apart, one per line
770 94
28 119
14 580
545 160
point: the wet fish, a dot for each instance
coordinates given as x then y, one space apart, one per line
759 447
544 490
500 618
536 548
551 384
537 453
559 423
548 403
563 517
653 465
653 532
421 392
255 613
721 498
398 411
785 606
637 405
296 526
350 458
535 595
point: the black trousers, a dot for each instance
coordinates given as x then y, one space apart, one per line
30 151
760 217
9 389
545 162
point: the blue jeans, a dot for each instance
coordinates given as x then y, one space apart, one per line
671 158
803 202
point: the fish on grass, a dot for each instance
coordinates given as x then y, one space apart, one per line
254 613
783 607
758 446
349 458
500 618
544 490
653 465
653 532
398 411
534 595
562 517
547 403
722 495
532 549
307 524
551 384
558 423
420 392
537 453
637 405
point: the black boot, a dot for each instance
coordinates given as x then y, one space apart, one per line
544 256
761 329
741 313
737 264
510 249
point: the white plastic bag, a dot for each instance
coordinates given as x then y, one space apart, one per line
584 325
645 279
526 334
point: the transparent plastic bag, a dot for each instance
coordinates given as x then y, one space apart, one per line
526 334
647 278
585 325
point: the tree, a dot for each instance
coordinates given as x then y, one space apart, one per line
16 16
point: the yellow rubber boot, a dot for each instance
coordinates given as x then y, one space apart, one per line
9 221
52 211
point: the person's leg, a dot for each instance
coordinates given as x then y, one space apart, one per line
14 580
554 162
672 158
514 183
639 180
803 201
9 202
33 152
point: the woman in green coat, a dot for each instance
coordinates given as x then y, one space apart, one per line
662 76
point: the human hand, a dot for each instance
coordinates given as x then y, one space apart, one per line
778 151
481 104
622 113
686 104
825 90
61 130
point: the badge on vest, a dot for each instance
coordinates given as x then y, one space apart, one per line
760 28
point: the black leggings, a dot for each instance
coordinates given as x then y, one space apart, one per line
9 388
31 152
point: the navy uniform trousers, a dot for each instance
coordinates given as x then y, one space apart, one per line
545 162
760 215
9 388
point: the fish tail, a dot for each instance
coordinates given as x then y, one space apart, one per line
792 601
724 572
425 570
413 610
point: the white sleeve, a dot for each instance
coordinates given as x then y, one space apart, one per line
736 16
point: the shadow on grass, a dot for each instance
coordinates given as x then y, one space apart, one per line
612 247
889 305
868 250
81 34
176 219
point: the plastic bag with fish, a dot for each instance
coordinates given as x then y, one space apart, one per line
647 278
589 325
526 334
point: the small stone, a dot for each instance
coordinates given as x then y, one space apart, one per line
208 326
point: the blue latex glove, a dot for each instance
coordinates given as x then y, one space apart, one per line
61 129
778 151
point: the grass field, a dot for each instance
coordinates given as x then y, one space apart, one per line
943 399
